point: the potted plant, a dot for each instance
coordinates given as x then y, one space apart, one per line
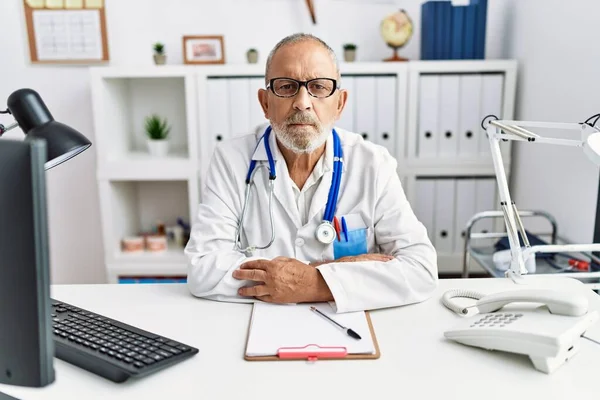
158 132
160 58
252 56
349 52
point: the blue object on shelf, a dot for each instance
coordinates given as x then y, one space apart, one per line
453 32
446 28
428 22
458 32
480 28
470 32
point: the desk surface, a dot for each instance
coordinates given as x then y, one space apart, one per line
416 359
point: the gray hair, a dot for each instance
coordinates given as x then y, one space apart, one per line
297 38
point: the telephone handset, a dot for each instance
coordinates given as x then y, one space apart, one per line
561 303
549 335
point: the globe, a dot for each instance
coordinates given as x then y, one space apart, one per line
396 30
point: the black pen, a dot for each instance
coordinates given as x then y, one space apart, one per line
349 331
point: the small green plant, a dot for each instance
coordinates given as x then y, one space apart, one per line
159 48
349 46
157 128
252 51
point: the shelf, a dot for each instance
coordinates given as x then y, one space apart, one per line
171 256
481 166
116 270
121 106
140 165
131 208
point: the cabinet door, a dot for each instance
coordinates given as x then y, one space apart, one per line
218 114
346 120
239 103
257 116
386 113
365 112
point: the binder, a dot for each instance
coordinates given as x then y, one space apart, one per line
485 201
428 116
239 103
444 216
458 32
491 103
292 332
365 106
443 29
386 113
428 23
480 28
470 32
218 111
464 210
448 112
446 30
257 116
346 120
425 205
469 131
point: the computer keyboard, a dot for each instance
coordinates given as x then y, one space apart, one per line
110 348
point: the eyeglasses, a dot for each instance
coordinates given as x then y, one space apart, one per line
288 87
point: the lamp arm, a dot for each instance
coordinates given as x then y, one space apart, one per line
509 209
504 130
4 129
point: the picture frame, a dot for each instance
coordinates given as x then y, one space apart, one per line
203 49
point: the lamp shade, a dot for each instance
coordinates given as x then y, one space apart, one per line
34 118
591 147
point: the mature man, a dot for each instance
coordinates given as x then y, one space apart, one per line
304 212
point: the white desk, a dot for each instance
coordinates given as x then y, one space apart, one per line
416 362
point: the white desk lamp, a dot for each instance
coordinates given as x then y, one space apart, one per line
502 130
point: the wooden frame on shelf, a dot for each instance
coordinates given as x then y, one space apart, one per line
203 49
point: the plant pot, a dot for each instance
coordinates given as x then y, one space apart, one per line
349 55
160 59
158 148
252 57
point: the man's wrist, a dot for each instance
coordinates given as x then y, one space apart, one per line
321 292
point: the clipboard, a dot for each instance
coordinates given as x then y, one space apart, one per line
314 351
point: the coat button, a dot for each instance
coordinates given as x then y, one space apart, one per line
299 242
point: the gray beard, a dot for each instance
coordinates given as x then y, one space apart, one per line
291 141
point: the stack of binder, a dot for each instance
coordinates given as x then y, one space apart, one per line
451 32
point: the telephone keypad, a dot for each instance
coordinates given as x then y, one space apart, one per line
496 319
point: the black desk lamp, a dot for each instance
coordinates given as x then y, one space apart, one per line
26 342
33 117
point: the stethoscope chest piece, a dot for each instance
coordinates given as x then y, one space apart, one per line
325 232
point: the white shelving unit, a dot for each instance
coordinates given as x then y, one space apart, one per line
207 104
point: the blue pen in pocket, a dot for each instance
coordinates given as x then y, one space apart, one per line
355 242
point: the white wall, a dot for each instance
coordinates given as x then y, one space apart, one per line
133 25
559 70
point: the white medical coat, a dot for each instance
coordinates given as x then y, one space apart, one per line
370 187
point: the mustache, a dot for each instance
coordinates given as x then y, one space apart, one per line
301 118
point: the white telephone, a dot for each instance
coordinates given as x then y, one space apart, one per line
549 335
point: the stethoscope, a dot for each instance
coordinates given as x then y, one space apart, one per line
325 232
